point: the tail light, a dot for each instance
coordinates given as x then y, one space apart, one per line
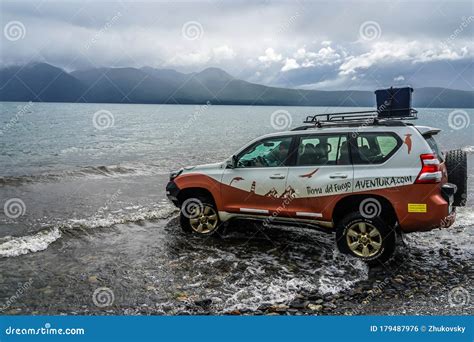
430 170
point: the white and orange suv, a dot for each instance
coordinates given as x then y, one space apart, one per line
364 182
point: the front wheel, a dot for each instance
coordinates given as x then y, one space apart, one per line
199 216
369 239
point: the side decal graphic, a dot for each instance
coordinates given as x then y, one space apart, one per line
309 175
235 179
303 213
252 188
288 193
382 182
254 211
272 193
408 142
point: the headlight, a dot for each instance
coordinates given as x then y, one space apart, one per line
174 174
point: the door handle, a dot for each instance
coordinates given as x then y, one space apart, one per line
338 175
277 176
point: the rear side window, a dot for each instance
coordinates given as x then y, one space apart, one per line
323 149
375 148
434 147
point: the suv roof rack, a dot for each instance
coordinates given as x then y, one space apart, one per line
366 117
392 105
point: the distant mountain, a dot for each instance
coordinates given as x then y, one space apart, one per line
443 98
127 85
44 82
39 82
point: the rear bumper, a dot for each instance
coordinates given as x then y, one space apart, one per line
435 211
172 192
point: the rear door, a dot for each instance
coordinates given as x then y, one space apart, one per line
322 170
382 160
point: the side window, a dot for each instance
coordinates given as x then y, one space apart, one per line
362 141
270 152
323 150
375 148
434 147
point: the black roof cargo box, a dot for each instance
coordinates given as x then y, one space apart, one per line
394 102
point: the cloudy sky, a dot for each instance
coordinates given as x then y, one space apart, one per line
307 44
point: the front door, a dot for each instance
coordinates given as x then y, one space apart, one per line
257 184
322 171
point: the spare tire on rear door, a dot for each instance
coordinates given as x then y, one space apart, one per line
456 163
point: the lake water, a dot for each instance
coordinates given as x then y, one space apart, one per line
77 168
98 164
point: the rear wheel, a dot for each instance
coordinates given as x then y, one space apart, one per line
456 164
199 216
369 239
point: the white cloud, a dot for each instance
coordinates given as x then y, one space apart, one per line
189 59
399 78
431 55
222 53
300 53
270 56
337 83
325 56
290 64
399 51
201 57
150 33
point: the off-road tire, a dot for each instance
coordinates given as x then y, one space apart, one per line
456 164
387 233
185 218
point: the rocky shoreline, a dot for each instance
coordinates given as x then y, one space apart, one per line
416 281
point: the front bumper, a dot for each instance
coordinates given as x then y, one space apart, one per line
172 192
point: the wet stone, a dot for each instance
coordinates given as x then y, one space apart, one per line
203 302
299 304
315 307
